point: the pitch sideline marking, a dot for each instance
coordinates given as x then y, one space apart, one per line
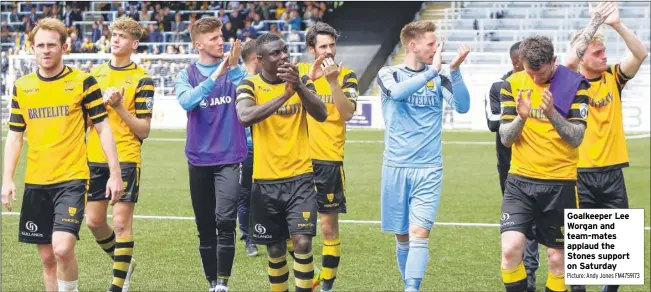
368 222
633 137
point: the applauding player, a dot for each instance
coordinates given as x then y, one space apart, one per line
276 103
412 171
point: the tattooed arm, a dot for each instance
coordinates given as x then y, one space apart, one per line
581 42
511 130
571 131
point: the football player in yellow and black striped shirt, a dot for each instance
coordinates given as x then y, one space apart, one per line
336 86
276 103
129 95
542 178
53 105
603 153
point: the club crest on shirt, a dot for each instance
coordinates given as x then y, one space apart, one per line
430 85
583 110
68 85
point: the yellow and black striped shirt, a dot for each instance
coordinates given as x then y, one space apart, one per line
604 144
280 142
327 139
138 99
540 152
54 111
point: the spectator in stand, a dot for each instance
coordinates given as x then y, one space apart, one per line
76 43
102 45
280 10
133 13
13 17
143 15
154 36
249 31
229 31
294 38
257 23
274 30
295 20
168 19
121 12
87 46
68 16
33 17
56 13
87 66
316 16
179 28
96 33
223 17
236 20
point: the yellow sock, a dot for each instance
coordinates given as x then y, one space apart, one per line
278 274
290 248
515 279
330 259
556 282
108 244
304 272
121 261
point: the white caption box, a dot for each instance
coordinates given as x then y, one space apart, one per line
604 246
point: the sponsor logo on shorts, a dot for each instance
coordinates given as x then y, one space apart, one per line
506 219
260 232
306 216
559 240
32 229
331 198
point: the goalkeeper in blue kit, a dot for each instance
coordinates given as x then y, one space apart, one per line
412 106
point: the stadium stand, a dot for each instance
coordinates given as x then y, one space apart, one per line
491 28
165 47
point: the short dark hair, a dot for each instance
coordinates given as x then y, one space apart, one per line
537 51
514 48
263 40
317 29
248 49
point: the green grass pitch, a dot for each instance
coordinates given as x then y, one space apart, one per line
462 258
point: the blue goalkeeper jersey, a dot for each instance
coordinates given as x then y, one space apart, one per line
412 106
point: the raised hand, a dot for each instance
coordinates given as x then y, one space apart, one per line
316 70
235 53
223 67
288 72
438 57
331 70
523 105
115 97
463 50
547 104
605 12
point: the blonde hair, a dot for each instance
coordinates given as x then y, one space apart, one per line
51 24
128 25
598 37
204 25
415 29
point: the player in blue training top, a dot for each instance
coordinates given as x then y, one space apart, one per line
412 171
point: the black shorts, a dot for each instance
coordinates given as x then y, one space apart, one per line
543 202
45 209
99 175
330 181
602 190
280 208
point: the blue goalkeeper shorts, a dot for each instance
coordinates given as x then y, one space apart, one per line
409 196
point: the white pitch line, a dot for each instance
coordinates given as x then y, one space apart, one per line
368 222
633 137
